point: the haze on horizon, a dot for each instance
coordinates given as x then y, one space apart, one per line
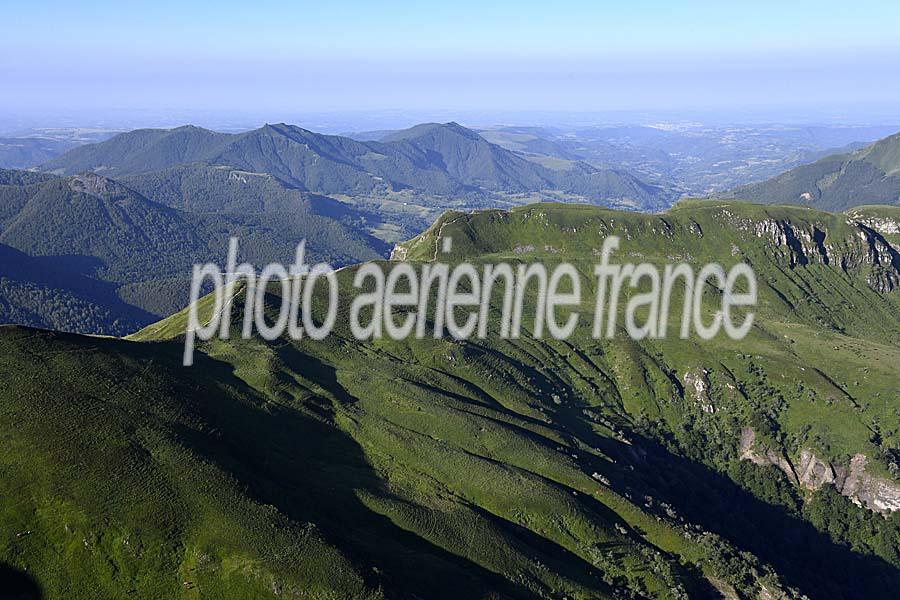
275 58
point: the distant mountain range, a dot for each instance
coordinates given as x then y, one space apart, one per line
692 158
684 159
433 159
134 212
138 209
870 175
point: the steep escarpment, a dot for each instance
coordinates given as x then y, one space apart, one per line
858 244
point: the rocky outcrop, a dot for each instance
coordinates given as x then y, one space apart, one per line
884 260
874 493
768 457
800 244
399 253
93 184
771 592
696 385
883 225
861 247
811 473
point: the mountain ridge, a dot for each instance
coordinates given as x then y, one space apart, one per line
441 159
870 175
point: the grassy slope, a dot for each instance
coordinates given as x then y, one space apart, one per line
466 469
870 175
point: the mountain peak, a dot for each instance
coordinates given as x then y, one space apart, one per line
190 128
424 130
284 129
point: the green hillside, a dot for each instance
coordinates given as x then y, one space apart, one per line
141 150
91 255
61 293
836 183
471 159
484 468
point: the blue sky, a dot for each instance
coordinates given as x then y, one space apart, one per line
525 55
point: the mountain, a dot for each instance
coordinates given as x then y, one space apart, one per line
87 240
432 159
485 468
471 159
867 176
141 150
201 188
